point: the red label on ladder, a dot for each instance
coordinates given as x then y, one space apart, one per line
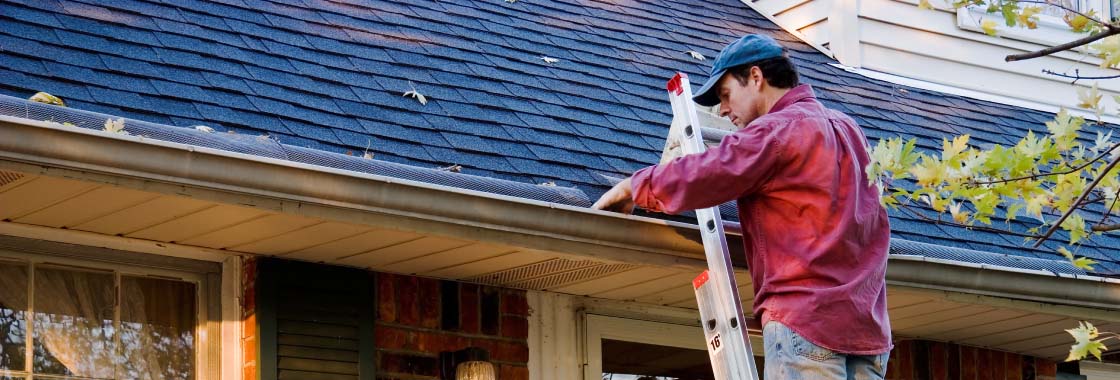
700 280
674 85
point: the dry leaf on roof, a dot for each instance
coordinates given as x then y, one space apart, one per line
696 54
115 126
549 184
453 168
204 128
549 60
416 94
367 154
43 97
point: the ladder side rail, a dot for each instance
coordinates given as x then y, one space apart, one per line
718 295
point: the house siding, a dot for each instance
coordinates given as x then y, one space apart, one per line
897 37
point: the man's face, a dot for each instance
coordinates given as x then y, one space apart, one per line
738 101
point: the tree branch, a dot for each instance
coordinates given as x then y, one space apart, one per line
955 224
1106 227
1040 175
1085 193
1110 30
1077 75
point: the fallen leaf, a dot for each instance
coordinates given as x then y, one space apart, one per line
418 96
549 60
115 126
696 54
43 97
204 128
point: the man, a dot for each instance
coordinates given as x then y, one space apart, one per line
815 234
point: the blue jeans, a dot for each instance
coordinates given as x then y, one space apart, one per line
791 357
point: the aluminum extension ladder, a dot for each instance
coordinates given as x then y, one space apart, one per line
717 294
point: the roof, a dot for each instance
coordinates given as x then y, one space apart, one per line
330 76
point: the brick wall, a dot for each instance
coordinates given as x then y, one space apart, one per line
925 360
417 318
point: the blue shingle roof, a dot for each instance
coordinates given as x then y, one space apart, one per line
330 75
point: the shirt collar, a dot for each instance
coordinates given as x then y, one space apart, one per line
794 95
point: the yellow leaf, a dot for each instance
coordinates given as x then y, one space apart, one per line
930 171
1086 342
1035 203
951 150
958 215
989 27
1090 98
1084 263
924 4
1109 50
1065 252
115 126
1079 23
43 97
1075 224
1026 16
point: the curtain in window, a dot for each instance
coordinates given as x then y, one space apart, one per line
13 323
157 329
73 323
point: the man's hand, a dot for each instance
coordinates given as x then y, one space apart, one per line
618 199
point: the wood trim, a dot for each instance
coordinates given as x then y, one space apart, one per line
267 326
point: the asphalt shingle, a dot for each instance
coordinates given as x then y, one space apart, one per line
331 76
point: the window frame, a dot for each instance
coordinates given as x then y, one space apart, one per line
207 304
1051 30
598 327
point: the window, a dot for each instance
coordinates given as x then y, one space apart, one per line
630 349
1052 27
65 322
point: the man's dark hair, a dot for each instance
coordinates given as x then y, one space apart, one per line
778 71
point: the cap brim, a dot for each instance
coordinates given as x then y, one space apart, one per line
708 95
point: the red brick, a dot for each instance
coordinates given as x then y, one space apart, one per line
468 308
491 346
249 286
386 297
435 343
513 372
513 352
392 338
515 327
408 300
985 367
1045 369
968 363
412 364
906 362
999 368
515 302
939 361
429 303
1013 363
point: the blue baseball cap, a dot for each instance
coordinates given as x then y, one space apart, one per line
749 49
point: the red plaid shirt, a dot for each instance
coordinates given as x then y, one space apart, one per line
814 232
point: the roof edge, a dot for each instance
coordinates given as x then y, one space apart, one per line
204 173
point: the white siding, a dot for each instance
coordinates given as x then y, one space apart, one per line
896 37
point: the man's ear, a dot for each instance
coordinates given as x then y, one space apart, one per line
756 77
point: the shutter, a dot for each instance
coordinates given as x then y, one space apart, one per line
316 321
